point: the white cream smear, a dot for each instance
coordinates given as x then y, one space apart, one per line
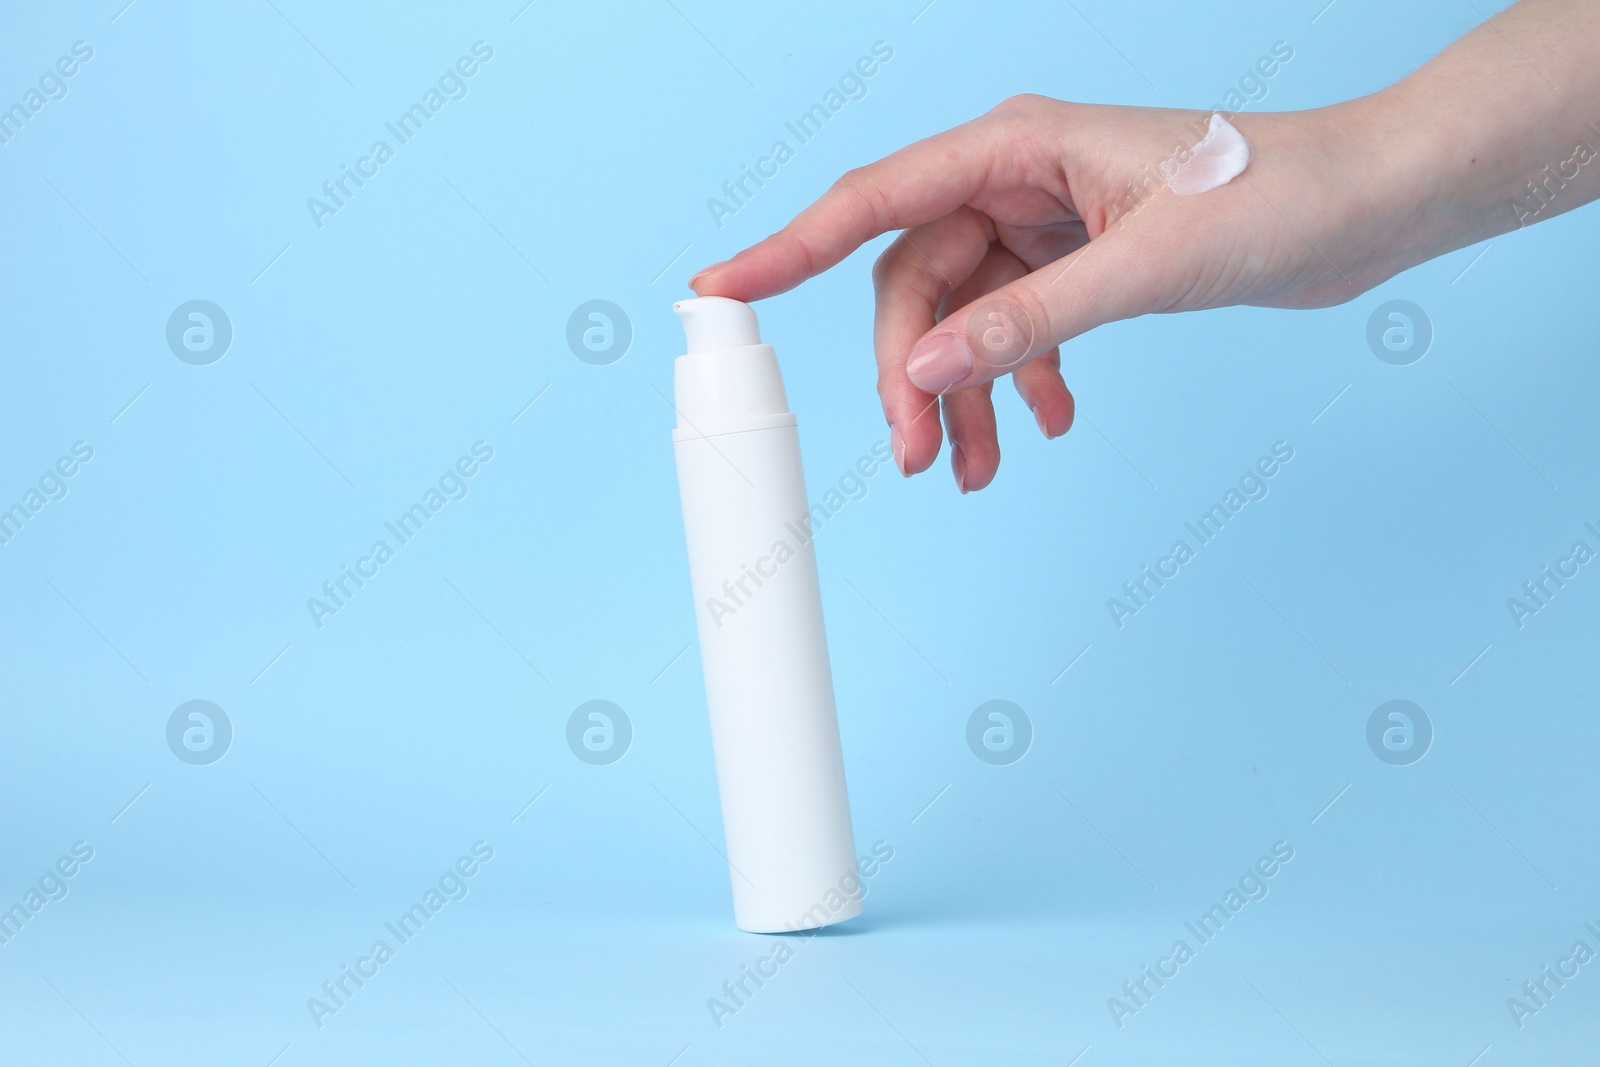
1219 157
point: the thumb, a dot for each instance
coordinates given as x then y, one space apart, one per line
999 332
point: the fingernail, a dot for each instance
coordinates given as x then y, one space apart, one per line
897 448
939 362
958 463
703 272
1044 427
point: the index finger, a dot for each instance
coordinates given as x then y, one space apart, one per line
917 184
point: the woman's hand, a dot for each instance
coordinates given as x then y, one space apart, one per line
1043 219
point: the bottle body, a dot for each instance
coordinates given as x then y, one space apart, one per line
763 648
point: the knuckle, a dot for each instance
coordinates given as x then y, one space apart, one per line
800 248
1036 317
1006 328
1021 102
883 267
851 178
863 184
886 397
901 267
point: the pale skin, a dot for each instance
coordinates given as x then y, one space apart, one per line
1019 225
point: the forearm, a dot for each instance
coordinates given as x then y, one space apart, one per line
1499 131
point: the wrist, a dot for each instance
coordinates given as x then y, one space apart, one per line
1403 172
1480 141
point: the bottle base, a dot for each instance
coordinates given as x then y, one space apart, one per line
819 916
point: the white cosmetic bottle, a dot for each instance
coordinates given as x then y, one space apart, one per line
758 609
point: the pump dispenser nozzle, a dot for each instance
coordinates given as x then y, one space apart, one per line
711 323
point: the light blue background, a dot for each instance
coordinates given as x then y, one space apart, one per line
431 710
